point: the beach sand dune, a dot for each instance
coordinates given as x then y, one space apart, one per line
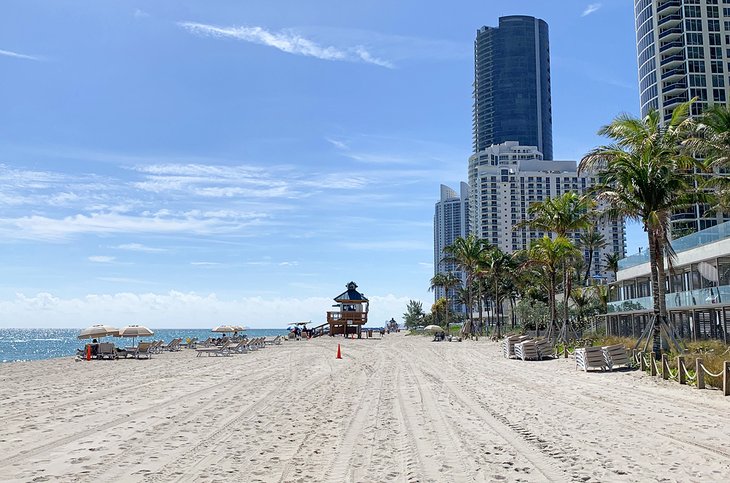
397 409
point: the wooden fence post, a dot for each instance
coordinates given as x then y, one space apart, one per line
726 378
652 363
700 373
642 362
681 370
565 351
665 367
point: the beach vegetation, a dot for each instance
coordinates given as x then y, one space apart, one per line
414 315
644 174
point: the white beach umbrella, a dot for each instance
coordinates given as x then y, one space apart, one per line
433 328
225 329
135 331
98 330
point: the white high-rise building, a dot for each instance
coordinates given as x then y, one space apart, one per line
450 221
683 50
507 178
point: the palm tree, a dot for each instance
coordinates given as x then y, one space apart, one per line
561 215
612 260
551 255
446 281
466 254
496 263
591 240
644 175
711 140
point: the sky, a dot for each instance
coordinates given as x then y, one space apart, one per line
180 163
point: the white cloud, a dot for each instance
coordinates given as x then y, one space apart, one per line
37 227
138 13
593 7
138 247
177 309
287 41
10 53
338 144
389 245
101 259
205 264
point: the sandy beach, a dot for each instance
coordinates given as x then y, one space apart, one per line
397 409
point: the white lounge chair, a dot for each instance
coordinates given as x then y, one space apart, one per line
527 350
275 341
508 345
222 350
142 349
615 355
590 358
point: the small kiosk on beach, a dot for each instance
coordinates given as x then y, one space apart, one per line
352 314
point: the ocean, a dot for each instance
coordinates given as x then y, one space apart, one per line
35 344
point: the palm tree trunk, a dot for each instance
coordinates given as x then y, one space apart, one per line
496 309
654 256
566 292
553 309
588 270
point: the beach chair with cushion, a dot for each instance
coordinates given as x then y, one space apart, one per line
590 358
615 355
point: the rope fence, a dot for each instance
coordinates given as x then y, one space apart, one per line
682 374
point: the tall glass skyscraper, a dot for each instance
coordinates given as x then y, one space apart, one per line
512 85
683 49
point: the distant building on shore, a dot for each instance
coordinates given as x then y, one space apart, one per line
512 100
683 50
506 179
450 221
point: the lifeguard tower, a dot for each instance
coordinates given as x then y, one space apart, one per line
352 313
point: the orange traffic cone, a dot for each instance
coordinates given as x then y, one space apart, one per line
88 352
339 353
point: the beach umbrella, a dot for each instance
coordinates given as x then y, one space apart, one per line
135 331
225 329
97 331
433 328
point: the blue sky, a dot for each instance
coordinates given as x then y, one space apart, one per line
187 163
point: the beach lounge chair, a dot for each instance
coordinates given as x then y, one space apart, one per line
544 348
174 345
221 350
615 355
527 350
508 345
275 341
590 358
106 351
143 349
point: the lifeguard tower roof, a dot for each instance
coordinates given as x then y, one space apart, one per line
351 295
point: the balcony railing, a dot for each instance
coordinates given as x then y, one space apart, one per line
671 45
669 18
669 4
676 300
347 316
702 237
669 32
672 58
672 73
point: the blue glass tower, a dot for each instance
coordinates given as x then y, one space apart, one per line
512 85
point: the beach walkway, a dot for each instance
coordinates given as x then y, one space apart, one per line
397 409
